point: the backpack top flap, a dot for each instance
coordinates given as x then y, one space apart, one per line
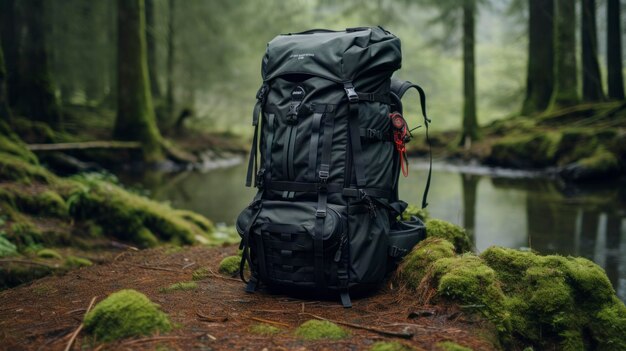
335 55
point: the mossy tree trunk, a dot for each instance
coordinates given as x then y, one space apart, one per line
614 50
470 122
592 81
152 50
36 92
135 113
540 73
566 83
170 60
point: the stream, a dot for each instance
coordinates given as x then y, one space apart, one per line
515 209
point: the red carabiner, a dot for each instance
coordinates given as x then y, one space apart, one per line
400 132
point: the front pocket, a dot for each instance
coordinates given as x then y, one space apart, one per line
282 240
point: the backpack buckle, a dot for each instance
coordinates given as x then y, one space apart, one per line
350 92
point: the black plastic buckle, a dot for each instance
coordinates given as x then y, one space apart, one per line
352 95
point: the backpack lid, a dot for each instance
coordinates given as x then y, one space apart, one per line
335 55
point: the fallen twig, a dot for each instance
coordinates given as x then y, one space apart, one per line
269 321
404 335
80 327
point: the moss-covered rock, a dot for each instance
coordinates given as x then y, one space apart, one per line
123 314
532 150
315 330
49 253
263 329
230 265
415 265
390 346
452 233
77 262
180 286
450 346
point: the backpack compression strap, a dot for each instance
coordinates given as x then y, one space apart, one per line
400 88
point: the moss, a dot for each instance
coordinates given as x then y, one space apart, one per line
451 346
413 210
201 273
76 262
230 265
414 266
390 346
263 329
525 151
49 253
7 248
453 233
123 314
315 330
180 286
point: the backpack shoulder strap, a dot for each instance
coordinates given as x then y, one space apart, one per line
399 88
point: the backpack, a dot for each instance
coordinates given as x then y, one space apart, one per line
329 129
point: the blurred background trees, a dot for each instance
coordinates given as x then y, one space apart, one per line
478 60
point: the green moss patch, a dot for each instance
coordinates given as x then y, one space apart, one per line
124 314
230 265
49 253
450 346
315 330
452 233
390 346
180 286
263 329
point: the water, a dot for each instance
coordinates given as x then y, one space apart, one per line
504 208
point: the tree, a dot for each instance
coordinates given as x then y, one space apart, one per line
614 50
540 73
152 54
469 132
135 113
565 80
592 81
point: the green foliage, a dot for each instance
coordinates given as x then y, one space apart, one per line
77 262
453 233
180 286
230 265
124 314
316 330
49 253
451 346
263 329
390 346
414 266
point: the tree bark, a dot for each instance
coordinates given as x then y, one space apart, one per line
135 113
566 82
170 61
540 73
614 50
592 81
470 124
152 54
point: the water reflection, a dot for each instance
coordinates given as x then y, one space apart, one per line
542 214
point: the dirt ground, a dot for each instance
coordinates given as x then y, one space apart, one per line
43 314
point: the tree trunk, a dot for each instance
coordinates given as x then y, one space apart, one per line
170 62
10 46
540 73
135 113
614 50
566 83
470 123
152 54
592 81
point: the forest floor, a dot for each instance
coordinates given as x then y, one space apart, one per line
218 314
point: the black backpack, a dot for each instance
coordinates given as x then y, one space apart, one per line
329 130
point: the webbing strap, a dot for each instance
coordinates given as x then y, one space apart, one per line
315 137
322 202
400 88
355 138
